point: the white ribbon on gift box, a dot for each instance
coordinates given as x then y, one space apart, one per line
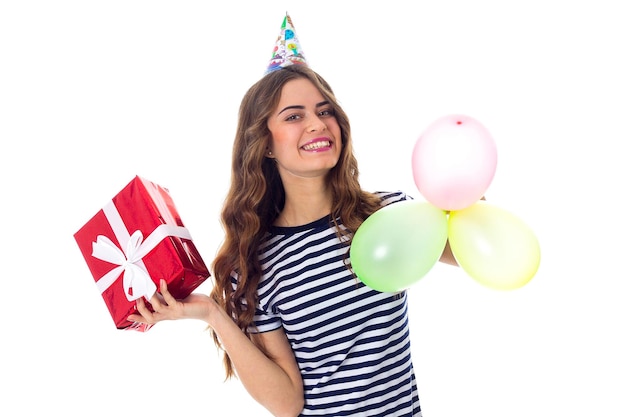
130 262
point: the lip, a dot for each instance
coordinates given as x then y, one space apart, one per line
317 141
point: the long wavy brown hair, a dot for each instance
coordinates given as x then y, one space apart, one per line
256 196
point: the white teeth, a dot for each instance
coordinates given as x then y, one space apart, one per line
316 145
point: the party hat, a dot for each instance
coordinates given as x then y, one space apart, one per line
287 50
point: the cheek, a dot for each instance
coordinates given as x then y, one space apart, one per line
282 143
340 146
336 130
277 138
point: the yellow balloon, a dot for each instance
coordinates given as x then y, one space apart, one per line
493 246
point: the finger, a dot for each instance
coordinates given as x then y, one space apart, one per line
167 296
144 310
136 318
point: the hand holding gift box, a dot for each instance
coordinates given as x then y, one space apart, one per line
136 239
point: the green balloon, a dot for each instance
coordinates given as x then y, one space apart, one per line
397 245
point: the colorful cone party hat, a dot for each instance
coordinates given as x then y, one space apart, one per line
287 50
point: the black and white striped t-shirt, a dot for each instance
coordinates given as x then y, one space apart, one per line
351 342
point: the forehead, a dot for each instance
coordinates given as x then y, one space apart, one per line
299 91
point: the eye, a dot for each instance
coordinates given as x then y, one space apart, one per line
292 117
326 113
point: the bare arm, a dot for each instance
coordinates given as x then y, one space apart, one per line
273 380
447 256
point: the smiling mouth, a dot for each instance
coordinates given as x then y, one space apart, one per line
317 145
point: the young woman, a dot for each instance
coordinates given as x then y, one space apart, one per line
297 327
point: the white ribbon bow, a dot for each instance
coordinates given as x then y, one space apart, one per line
136 276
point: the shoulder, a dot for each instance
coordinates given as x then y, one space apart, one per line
390 197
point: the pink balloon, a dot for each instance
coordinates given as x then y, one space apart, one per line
454 161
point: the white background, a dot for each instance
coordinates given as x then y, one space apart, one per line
95 92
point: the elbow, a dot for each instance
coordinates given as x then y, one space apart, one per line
298 407
290 408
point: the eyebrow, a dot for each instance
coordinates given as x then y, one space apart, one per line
320 104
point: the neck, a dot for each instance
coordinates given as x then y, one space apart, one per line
305 202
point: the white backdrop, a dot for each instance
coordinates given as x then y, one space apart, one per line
95 92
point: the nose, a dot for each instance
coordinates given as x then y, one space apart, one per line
317 124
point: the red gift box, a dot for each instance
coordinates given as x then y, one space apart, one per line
134 241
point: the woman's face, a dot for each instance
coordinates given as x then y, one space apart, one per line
306 138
